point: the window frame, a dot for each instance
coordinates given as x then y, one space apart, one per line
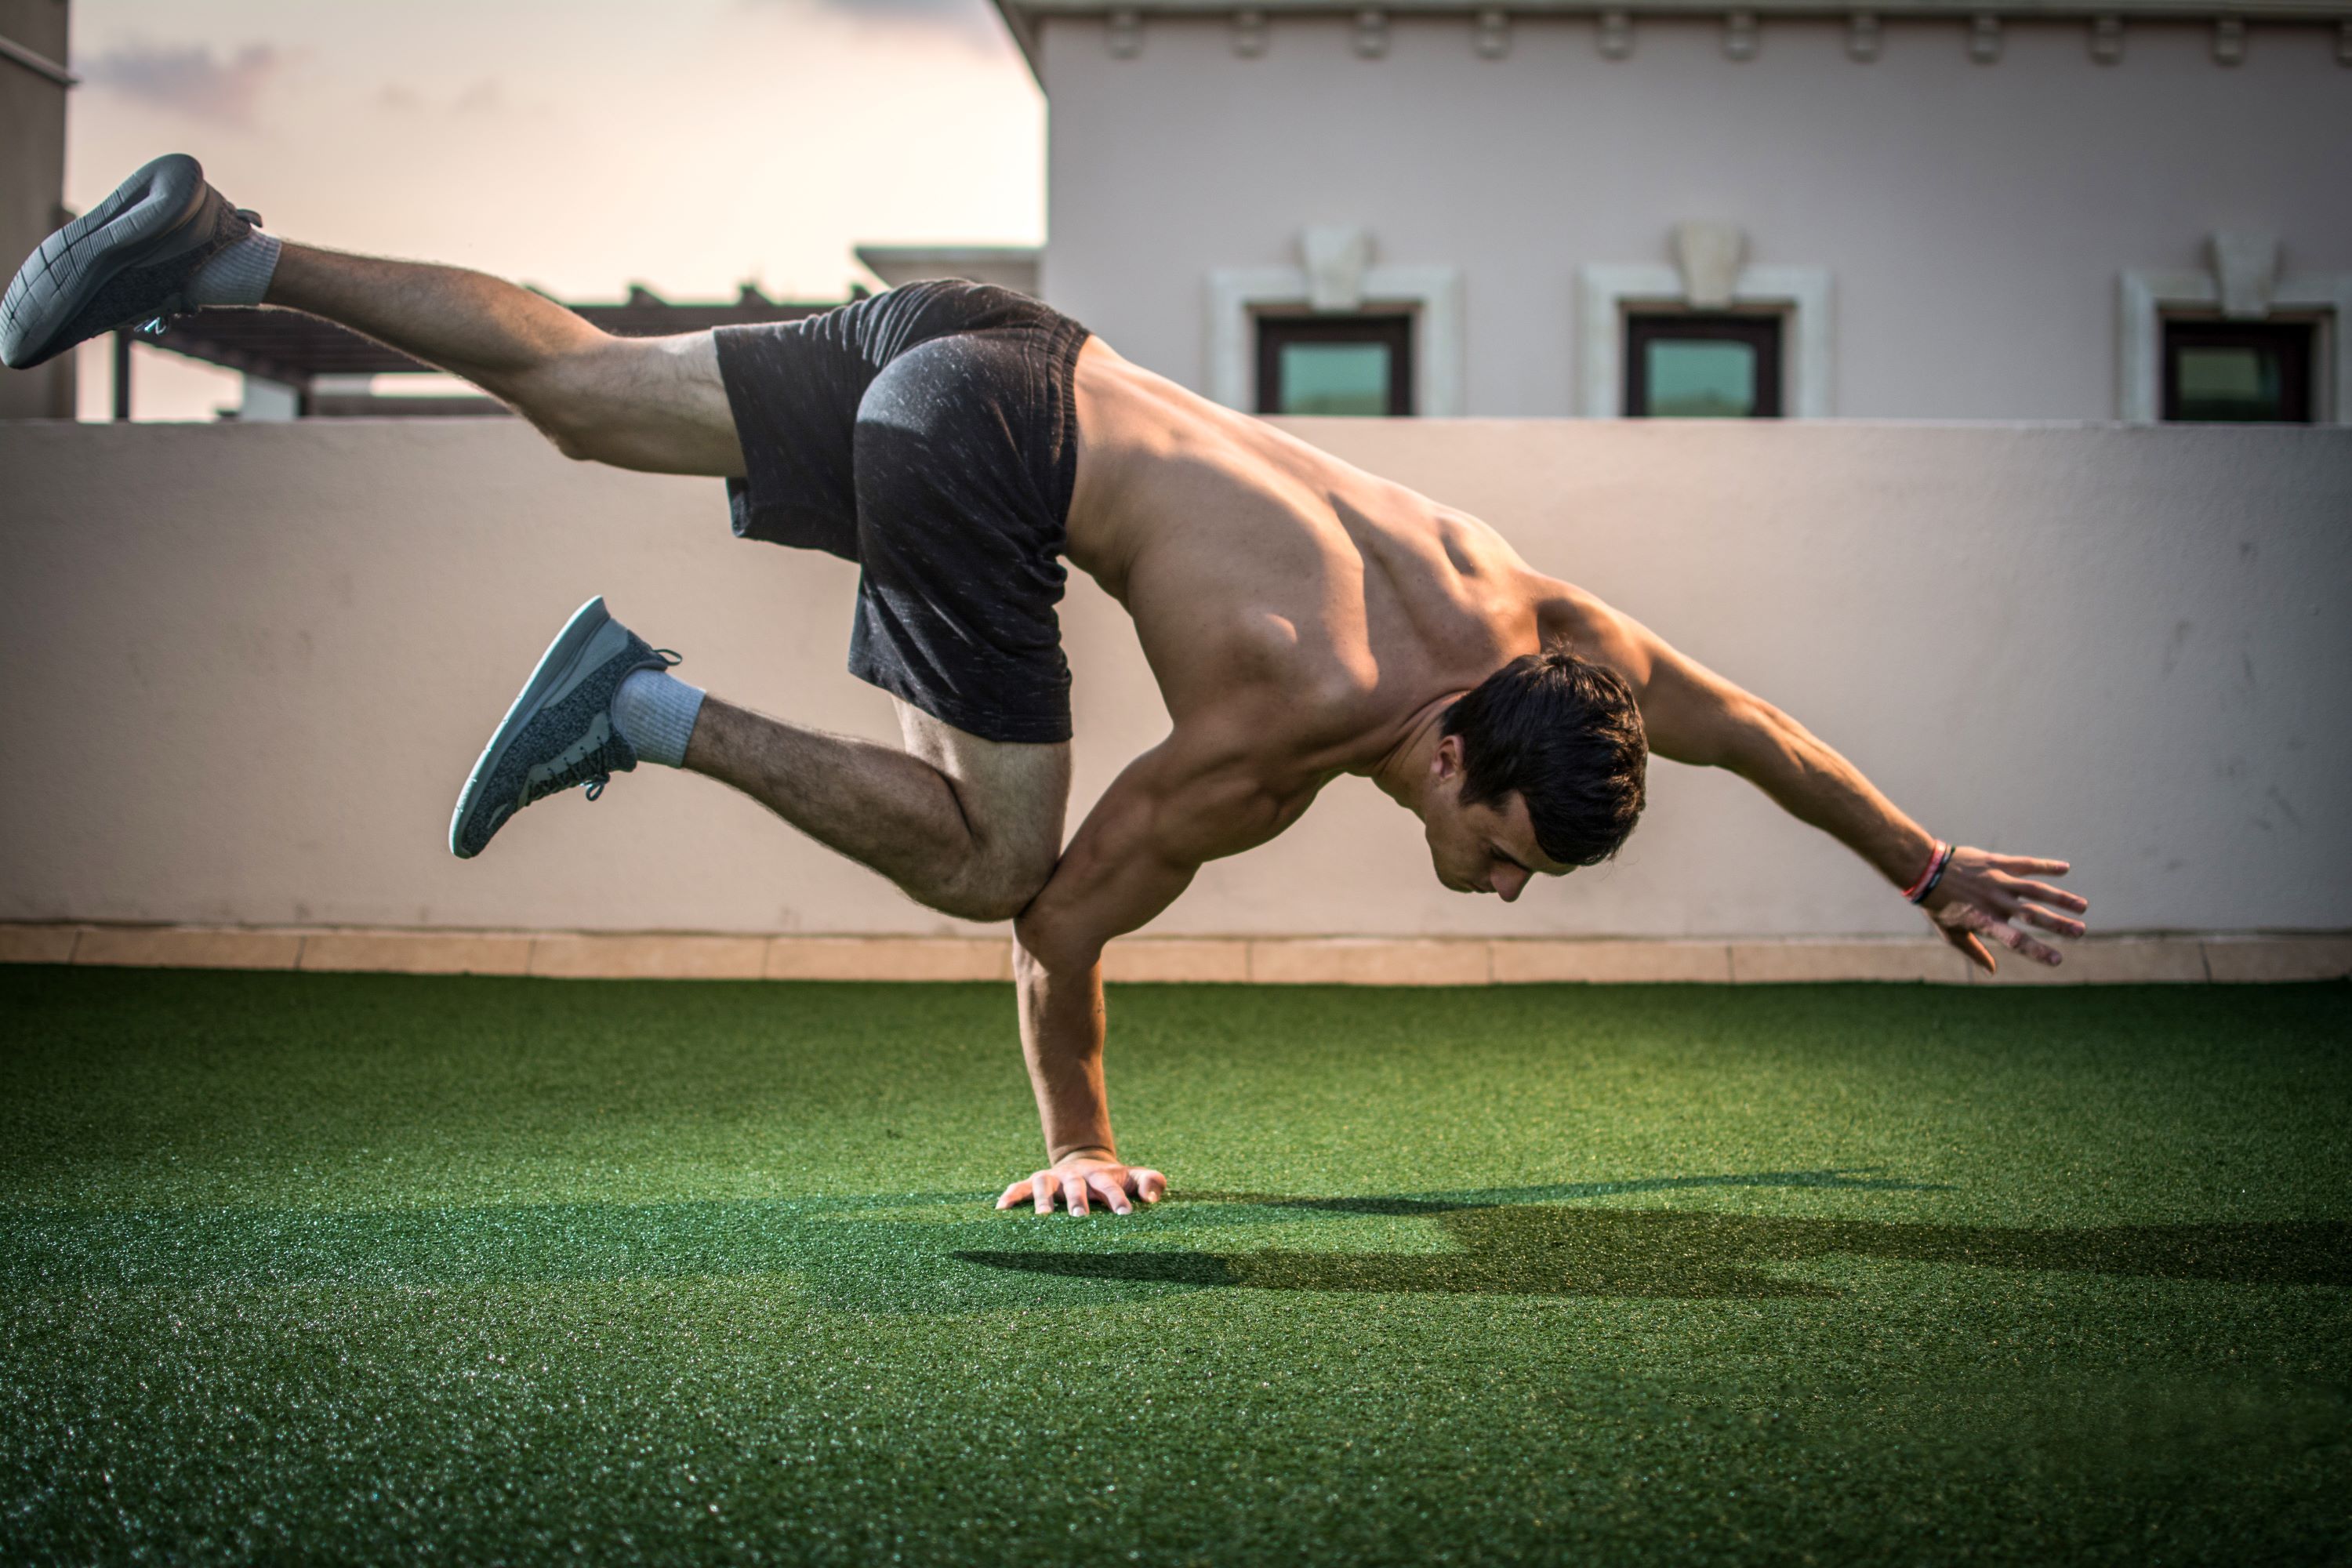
1762 331
2299 384
1391 329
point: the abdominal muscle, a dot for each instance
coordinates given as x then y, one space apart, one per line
1271 583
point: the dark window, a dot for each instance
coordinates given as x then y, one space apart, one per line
2238 371
1335 365
1703 367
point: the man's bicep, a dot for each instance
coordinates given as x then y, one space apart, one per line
1123 866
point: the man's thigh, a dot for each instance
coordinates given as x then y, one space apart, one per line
1014 796
652 403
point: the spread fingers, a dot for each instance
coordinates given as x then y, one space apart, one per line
2027 865
2017 941
1106 1187
2057 898
2050 919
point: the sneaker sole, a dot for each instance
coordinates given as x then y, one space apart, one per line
555 666
65 274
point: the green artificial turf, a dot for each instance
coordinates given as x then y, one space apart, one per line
472 1269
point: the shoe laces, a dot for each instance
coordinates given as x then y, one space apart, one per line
595 769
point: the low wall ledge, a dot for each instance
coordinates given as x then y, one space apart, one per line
2166 959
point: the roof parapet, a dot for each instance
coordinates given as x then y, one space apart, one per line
1022 18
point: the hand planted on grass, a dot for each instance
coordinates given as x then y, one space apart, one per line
1994 895
1083 1179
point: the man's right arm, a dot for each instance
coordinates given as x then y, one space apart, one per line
1690 714
1139 848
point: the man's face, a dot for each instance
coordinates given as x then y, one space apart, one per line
1488 849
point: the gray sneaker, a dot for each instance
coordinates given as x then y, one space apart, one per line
559 732
126 262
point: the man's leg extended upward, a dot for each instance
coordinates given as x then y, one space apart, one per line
965 825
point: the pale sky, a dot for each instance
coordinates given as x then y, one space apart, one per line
580 145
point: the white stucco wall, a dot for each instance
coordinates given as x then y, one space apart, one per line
250 665
1975 217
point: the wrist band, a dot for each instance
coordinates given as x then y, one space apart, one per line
1932 875
1937 876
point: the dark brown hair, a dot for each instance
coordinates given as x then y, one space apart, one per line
1562 733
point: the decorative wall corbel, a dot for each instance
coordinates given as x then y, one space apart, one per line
1984 37
1739 35
1123 33
1863 37
1491 35
1249 33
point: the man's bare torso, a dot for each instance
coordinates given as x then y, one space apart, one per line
1312 607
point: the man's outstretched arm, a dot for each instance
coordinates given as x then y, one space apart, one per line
1137 849
1694 715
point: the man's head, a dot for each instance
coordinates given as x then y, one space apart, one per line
1538 769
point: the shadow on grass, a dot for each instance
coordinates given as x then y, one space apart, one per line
1423 1203
914 1252
1541 1250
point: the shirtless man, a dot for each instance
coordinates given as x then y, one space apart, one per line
1304 620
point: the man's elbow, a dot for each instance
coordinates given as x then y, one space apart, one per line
1047 942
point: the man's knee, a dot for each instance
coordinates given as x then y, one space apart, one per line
654 404
991 887
1012 797
569 397
1011 854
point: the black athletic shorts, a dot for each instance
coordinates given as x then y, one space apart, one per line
929 435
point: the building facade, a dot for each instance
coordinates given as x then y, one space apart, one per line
34 82
1921 211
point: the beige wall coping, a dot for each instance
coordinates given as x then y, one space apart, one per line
2226 957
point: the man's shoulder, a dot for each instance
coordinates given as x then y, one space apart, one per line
1229 779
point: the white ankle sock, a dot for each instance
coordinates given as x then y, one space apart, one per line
655 713
238 275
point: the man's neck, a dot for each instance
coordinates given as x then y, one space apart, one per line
1402 772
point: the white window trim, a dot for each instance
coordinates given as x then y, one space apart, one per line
1434 293
1603 294
2144 295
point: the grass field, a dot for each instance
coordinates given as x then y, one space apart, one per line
471 1269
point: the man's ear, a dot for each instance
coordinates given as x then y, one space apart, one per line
1446 761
